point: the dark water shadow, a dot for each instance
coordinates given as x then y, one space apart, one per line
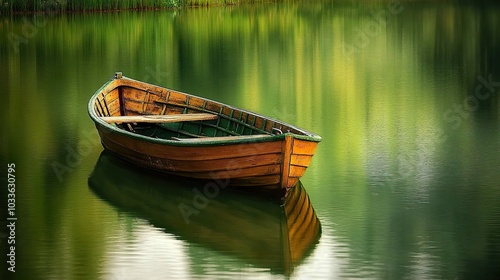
262 231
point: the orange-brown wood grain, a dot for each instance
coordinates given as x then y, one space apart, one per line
239 145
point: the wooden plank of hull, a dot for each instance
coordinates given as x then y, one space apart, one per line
225 164
297 171
301 160
235 173
302 147
271 180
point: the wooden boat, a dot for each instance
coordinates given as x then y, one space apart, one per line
178 133
272 234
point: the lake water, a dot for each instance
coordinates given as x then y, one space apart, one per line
405 184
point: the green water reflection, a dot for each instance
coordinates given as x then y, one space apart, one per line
404 183
271 233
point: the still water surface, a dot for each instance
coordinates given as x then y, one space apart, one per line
405 184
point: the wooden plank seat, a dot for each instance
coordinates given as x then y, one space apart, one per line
160 118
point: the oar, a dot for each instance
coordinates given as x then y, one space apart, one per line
160 118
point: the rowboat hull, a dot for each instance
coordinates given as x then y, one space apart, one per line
240 147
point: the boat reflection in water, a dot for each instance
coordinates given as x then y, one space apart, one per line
273 234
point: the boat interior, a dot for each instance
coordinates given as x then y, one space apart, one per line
126 97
